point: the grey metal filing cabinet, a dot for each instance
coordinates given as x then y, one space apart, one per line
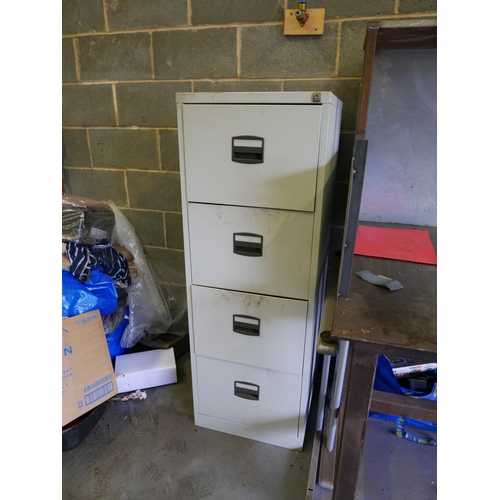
257 173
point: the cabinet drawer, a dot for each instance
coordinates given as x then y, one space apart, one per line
261 331
252 155
257 397
251 249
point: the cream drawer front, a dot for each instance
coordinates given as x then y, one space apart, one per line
261 331
257 397
279 144
250 249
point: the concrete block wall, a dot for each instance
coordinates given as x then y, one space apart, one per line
124 60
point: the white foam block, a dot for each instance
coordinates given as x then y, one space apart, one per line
142 370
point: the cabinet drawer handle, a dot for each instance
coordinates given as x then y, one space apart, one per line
247 149
246 390
246 325
247 244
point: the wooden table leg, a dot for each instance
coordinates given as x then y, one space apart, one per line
356 407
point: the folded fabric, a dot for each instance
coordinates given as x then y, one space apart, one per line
84 258
113 262
81 261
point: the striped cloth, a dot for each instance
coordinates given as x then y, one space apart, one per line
83 258
113 262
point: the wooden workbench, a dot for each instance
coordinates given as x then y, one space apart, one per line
366 320
377 321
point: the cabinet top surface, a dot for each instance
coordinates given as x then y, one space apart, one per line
406 318
313 98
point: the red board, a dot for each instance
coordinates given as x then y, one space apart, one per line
413 245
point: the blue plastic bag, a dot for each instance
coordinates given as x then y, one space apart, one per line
99 292
386 381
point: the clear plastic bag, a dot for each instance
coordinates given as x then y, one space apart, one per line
176 295
85 220
148 307
111 322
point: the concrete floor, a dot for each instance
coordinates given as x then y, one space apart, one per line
393 468
150 449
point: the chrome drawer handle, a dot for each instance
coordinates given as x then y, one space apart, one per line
247 149
246 325
247 244
246 390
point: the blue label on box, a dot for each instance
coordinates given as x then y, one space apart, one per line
97 383
99 393
85 320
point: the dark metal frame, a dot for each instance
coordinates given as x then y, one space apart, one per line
383 35
359 398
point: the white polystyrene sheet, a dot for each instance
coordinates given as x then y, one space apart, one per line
141 370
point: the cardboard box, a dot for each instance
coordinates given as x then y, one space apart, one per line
142 370
87 372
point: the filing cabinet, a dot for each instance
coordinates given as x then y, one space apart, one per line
257 173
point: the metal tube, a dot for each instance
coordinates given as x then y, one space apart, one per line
340 367
322 392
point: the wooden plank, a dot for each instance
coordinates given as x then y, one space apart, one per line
404 406
370 47
313 466
315 24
